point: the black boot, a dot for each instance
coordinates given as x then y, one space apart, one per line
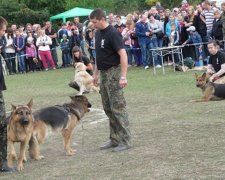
6 168
121 147
108 145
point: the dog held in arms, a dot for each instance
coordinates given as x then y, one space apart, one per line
59 117
211 91
84 79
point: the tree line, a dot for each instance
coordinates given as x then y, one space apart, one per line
38 11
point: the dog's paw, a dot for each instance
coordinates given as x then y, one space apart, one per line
71 152
39 158
20 167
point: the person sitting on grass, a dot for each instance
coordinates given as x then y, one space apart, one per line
216 64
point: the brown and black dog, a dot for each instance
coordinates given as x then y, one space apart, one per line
211 91
59 117
20 129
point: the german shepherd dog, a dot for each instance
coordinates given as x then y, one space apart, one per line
20 129
59 117
211 91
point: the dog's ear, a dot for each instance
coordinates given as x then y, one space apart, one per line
204 75
72 97
196 75
30 104
13 107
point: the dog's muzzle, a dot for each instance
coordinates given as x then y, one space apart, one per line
24 121
89 106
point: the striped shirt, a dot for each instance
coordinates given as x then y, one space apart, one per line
209 17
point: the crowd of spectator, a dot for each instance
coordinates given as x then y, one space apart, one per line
34 47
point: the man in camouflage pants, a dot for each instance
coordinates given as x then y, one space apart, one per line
3 125
111 60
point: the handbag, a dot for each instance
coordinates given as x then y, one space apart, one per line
159 35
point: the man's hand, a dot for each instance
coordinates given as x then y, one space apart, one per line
123 82
147 33
213 78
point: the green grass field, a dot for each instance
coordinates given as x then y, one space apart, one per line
172 137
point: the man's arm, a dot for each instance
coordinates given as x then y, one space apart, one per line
123 62
95 75
53 36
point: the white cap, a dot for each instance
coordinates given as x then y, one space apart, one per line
191 28
176 9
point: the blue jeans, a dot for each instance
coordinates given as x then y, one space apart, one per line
145 52
137 55
209 34
129 54
66 58
93 53
82 42
154 45
21 61
11 62
54 55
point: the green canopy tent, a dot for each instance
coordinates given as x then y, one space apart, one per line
72 13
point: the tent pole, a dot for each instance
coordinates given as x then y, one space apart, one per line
64 19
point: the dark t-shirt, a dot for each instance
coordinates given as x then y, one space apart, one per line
216 60
54 41
107 44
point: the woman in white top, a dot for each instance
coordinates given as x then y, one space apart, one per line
43 42
10 52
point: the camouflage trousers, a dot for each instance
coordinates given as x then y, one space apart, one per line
3 131
114 105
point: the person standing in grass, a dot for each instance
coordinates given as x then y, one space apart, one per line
3 125
111 64
19 45
43 43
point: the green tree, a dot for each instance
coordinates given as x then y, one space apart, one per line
53 7
17 12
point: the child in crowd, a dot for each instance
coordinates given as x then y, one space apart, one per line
195 38
65 47
174 36
31 53
174 40
92 46
19 45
